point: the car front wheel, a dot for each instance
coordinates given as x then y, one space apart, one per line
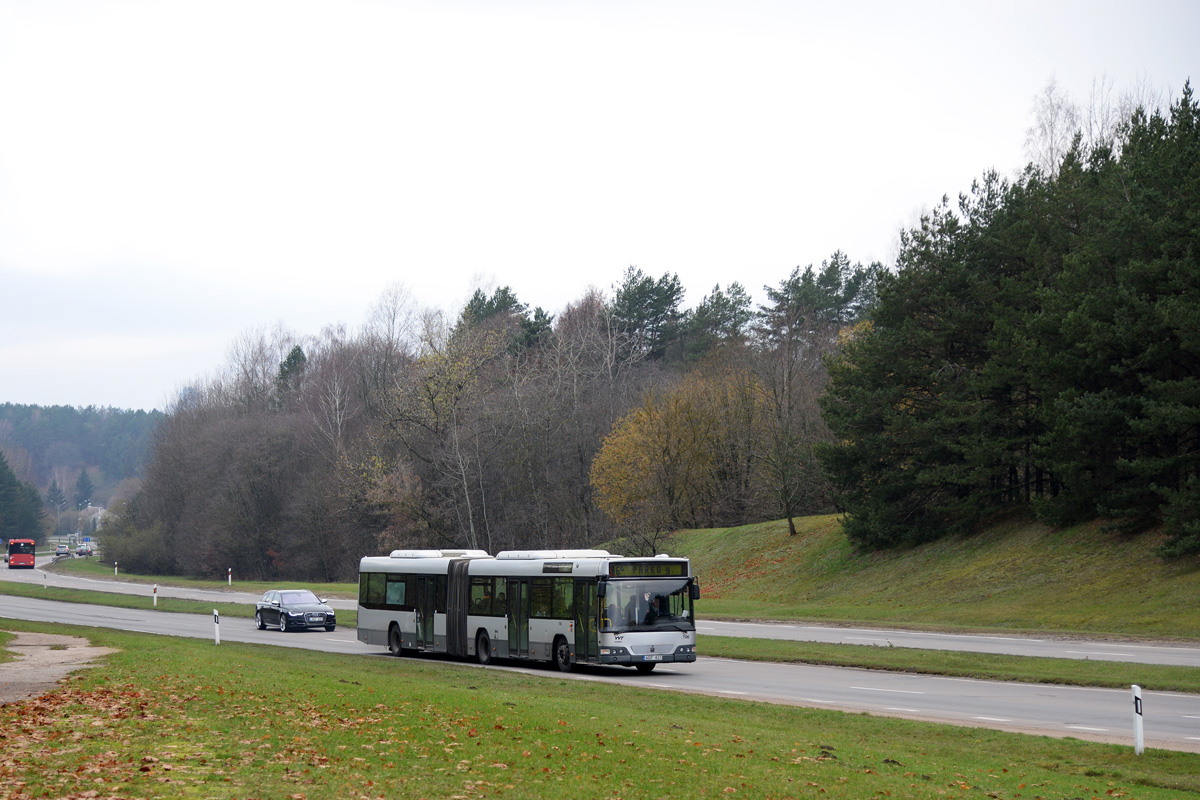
258 621
282 622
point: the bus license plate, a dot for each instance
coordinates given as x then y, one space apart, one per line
651 658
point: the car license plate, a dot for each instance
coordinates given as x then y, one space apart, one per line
651 658
316 617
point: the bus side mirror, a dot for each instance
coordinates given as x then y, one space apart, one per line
601 589
695 591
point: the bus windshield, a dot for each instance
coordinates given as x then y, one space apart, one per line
16 548
647 604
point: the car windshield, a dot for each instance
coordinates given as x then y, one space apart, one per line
297 597
648 604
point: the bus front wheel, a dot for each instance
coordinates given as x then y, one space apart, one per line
483 648
562 655
394 644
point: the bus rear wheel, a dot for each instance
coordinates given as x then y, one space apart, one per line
483 648
562 654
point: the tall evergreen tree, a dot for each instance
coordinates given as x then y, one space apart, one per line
55 497
648 311
83 490
21 511
721 318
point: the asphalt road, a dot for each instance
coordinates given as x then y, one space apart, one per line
1044 647
1172 720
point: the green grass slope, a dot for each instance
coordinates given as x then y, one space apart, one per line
1015 576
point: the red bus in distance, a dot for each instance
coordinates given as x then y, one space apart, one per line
20 553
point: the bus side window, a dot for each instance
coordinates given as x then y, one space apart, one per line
564 598
439 594
540 598
481 596
397 587
370 589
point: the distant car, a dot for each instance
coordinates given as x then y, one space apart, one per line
83 550
293 609
62 550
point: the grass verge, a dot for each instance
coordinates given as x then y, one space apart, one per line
168 717
93 568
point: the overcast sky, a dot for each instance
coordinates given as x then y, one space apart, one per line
173 174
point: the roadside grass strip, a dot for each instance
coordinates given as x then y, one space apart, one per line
101 570
168 717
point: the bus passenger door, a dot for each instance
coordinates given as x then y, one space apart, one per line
426 605
587 625
518 618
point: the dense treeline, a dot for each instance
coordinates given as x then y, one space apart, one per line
1038 347
482 431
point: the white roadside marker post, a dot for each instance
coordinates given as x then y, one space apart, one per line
231 576
114 569
156 595
1139 740
216 626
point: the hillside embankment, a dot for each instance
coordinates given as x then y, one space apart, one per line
1016 575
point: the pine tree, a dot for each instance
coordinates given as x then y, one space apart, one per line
83 490
21 511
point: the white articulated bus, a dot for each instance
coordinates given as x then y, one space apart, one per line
566 606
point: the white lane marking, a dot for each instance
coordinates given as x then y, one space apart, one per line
992 719
1085 728
907 710
815 700
728 691
1092 653
873 689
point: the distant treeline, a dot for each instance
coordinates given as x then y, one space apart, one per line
47 445
1035 346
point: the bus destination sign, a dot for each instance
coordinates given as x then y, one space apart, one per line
648 569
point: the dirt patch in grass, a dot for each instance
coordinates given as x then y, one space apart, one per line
42 660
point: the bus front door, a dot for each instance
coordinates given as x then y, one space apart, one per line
518 618
586 624
426 607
